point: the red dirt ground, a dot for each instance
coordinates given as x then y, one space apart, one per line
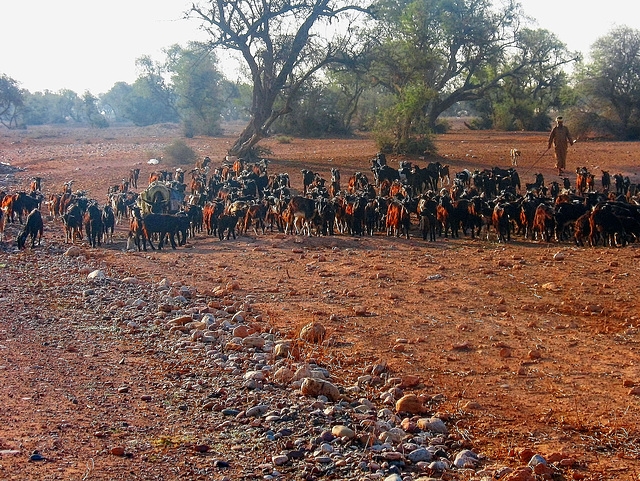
528 350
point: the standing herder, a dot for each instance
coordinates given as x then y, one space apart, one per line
561 140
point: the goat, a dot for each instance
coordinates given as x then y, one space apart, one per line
34 228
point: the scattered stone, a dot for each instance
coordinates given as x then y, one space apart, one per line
317 387
525 455
410 403
313 332
280 460
282 349
253 341
524 473
505 352
634 391
241 331
341 431
534 354
420 455
73 251
36 456
9 452
466 459
393 477
257 411
96 275
434 424
360 310
283 375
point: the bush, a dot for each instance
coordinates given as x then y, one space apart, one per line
442 126
189 131
417 145
283 139
179 153
384 141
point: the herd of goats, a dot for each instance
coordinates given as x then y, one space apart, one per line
236 197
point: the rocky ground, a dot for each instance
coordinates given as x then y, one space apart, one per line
508 361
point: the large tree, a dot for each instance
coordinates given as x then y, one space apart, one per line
197 85
610 83
433 54
11 101
116 101
283 43
525 99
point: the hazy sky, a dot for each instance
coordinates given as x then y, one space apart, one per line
85 45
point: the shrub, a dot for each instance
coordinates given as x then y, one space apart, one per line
283 139
179 153
417 145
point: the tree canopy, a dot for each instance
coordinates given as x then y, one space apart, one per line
609 85
325 67
433 54
11 100
282 43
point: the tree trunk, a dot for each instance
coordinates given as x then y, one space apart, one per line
249 137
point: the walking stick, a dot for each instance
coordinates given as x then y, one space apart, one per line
536 161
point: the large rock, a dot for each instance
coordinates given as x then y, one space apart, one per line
420 455
284 375
410 403
313 332
341 431
524 473
466 459
301 373
241 331
317 387
253 341
73 251
96 275
282 349
435 425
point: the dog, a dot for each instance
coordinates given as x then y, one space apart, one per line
515 153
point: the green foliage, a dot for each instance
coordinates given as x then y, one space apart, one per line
90 111
405 123
523 101
235 100
609 86
53 107
196 83
116 102
316 111
11 101
284 43
418 145
283 139
179 153
373 100
466 51
150 103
